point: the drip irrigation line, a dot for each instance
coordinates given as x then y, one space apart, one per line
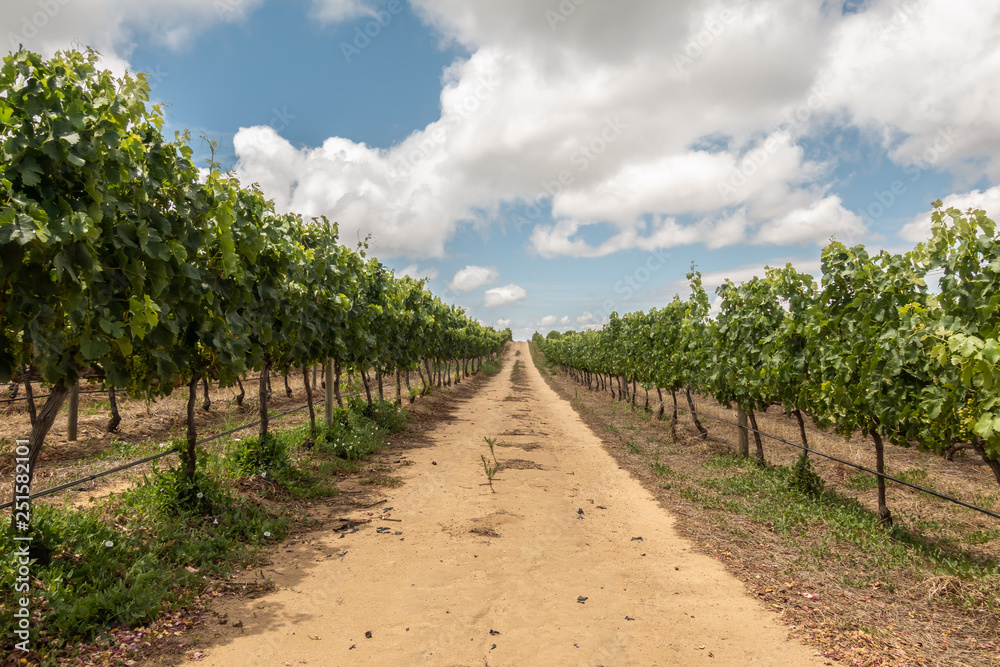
38 398
56 489
147 459
834 458
123 394
126 466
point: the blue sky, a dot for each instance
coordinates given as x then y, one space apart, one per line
544 163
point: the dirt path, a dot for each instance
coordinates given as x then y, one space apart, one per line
463 576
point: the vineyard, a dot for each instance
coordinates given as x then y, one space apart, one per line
121 261
869 351
129 274
124 265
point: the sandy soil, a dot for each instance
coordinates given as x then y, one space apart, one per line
549 570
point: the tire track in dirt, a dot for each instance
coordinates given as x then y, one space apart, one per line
551 563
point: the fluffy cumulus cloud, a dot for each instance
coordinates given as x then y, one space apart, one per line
662 123
414 271
501 296
548 320
738 274
919 228
473 277
641 124
341 10
912 71
503 323
112 26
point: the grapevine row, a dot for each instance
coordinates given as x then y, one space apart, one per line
119 259
871 348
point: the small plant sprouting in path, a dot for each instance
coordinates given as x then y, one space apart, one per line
491 442
491 470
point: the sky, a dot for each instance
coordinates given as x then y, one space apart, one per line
544 163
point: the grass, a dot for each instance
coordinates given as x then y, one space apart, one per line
492 367
382 478
96 407
140 553
136 555
859 480
663 470
769 495
541 362
119 449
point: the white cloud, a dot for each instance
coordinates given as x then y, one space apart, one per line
586 318
616 162
665 151
473 277
501 296
413 271
815 224
334 11
912 73
503 323
729 167
919 228
112 26
740 274
548 320
564 320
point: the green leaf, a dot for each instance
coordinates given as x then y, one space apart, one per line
987 426
125 346
30 178
93 348
991 351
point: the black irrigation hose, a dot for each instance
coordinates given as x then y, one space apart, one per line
104 391
133 464
56 489
839 460
38 398
126 466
